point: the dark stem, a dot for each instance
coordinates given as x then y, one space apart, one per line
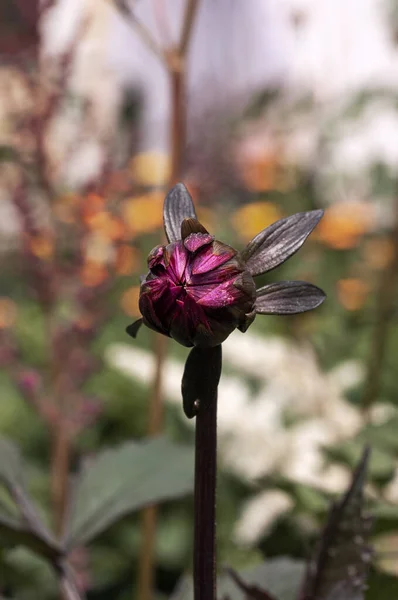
205 503
385 312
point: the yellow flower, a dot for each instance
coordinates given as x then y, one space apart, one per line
143 214
252 218
151 168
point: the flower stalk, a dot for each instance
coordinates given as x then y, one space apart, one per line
199 391
204 557
197 291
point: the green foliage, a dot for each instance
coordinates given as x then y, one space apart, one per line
121 481
280 577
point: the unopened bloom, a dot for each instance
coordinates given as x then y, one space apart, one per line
198 290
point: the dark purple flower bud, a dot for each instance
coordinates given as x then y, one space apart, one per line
197 290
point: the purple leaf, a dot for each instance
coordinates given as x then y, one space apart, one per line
252 592
279 241
200 380
178 206
288 298
340 567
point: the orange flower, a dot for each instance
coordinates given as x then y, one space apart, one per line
252 218
92 204
93 274
41 246
126 260
352 293
344 223
260 164
8 313
143 214
378 253
65 207
103 223
129 301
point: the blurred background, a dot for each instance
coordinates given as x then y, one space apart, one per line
278 106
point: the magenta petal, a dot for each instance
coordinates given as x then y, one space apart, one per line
211 257
156 257
178 260
188 317
218 296
197 240
148 312
227 271
155 288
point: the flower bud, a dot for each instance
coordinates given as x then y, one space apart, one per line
197 290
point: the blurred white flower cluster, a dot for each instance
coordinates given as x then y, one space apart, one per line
277 411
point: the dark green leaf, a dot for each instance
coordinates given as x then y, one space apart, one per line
382 586
123 480
280 577
24 527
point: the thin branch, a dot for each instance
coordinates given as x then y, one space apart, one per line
149 515
68 583
141 29
187 26
387 295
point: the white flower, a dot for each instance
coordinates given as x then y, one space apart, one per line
259 514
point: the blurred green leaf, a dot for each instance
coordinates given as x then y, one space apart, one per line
383 437
381 465
8 154
382 586
281 577
123 480
25 527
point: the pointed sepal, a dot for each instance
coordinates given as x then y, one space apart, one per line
288 298
133 329
178 206
279 241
